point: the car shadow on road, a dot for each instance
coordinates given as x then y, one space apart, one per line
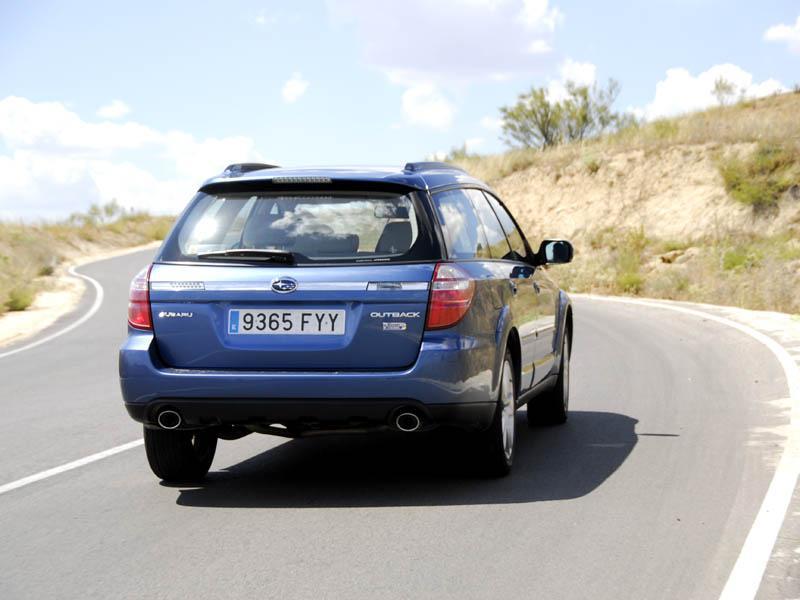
554 463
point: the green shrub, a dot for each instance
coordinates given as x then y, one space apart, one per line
628 263
664 129
630 282
592 165
46 271
761 179
19 298
740 258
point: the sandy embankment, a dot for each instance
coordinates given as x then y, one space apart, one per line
54 303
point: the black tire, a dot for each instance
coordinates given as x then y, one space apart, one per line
552 407
498 441
179 456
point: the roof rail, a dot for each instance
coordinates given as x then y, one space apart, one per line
242 168
416 167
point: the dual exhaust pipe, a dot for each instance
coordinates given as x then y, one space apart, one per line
169 419
405 420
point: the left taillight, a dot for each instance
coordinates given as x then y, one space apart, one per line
452 290
139 300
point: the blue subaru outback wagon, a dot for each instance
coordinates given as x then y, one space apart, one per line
302 301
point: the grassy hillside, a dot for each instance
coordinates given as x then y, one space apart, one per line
703 207
32 254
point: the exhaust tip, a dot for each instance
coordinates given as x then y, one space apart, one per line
407 422
169 419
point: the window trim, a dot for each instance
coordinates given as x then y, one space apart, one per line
441 226
483 225
529 253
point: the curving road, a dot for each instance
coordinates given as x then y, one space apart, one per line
648 492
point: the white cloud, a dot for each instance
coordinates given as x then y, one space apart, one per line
423 104
788 34
473 144
115 110
51 125
579 73
262 18
491 123
538 15
57 163
539 47
294 88
452 41
682 92
448 44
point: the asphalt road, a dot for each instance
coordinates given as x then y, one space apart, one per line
648 492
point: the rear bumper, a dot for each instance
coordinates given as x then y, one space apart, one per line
308 416
450 384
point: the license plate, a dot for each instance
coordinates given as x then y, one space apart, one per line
286 322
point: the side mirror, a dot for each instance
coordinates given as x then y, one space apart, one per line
554 252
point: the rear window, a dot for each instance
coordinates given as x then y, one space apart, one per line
356 227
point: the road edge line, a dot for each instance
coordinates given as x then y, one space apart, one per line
745 578
13 485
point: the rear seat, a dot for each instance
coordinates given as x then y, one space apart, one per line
325 244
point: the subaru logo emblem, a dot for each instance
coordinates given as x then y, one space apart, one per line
284 285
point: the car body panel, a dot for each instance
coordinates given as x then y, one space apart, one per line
191 304
192 361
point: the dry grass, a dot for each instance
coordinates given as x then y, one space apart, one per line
761 273
755 145
30 253
771 120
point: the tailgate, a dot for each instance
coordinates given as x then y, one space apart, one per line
248 318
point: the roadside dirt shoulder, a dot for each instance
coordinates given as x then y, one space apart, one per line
60 299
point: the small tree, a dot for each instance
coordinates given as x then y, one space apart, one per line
578 115
723 90
602 101
534 121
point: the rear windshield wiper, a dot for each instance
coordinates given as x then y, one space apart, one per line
250 254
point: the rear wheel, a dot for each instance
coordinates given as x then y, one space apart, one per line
179 456
500 439
551 408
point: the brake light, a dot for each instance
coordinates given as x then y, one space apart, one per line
452 290
139 300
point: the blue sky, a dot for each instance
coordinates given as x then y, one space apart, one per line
141 101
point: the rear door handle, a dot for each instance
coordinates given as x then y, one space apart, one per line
513 287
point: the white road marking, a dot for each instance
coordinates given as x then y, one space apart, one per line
98 300
68 466
745 578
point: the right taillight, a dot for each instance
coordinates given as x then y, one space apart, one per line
452 290
139 301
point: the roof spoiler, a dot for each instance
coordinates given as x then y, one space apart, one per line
416 167
241 168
